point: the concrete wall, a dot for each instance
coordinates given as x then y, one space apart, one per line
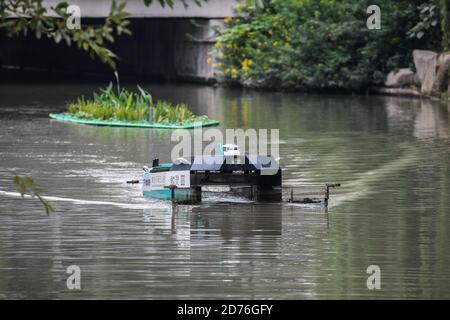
210 9
193 49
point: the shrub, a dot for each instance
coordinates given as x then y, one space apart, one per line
316 44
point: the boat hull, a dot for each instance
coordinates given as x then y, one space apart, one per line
187 195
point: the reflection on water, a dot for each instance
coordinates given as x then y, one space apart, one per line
390 154
429 119
431 122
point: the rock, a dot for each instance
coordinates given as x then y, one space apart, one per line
442 59
417 80
442 73
400 78
426 63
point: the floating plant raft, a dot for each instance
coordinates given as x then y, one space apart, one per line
135 124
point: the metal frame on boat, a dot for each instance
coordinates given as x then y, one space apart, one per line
255 177
258 177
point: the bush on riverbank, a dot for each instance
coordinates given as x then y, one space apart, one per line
318 45
130 106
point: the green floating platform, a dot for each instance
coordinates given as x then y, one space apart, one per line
141 124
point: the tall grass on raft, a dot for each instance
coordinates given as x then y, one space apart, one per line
129 106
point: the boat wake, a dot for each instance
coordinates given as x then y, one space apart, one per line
361 187
80 201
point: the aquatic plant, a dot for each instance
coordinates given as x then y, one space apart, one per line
125 105
165 111
27 186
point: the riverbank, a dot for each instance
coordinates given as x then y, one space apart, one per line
32 77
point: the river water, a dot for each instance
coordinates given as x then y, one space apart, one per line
391 155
